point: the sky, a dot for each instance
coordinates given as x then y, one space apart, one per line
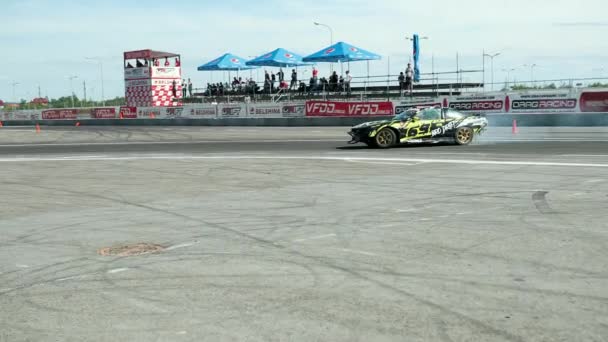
44 42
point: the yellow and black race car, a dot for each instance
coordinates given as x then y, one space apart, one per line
420 125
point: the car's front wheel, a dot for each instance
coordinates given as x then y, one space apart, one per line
385 138
464 135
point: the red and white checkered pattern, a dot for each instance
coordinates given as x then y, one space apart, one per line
155 95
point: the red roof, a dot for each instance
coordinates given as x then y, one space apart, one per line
148 54
40 100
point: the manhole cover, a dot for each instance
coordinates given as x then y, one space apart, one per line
130 250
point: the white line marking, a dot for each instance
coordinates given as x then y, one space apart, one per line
72 277
22 266
174 142
282 157
181 245
358 252
381 163
584 155
117 270
314 237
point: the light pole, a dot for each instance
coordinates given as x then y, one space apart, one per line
532 66
491 64
72 88
508 71
98 60
14 84
331 41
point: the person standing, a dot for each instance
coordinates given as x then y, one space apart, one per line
409 75
272 80
281 75
347 81
401 83
294 79
190 87
174 88
184 88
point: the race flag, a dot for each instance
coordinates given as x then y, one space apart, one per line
416 41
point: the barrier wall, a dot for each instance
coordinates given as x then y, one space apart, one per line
569 107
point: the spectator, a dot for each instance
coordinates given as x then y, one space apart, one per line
235 83
283 85
333 81
347 81
190 87
177 62
409 74
272 80
294 79
315 73
312 85
341 84
401 82
302 88
174 88
281 75
155 62
184 87
167 62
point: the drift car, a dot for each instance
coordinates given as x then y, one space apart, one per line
420 125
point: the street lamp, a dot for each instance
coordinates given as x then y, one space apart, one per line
492 65
14 84
508 71
72 88
331 41
103 98
532 66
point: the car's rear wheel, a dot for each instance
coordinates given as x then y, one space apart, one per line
464 135
385 138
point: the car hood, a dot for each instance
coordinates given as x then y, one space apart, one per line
371 124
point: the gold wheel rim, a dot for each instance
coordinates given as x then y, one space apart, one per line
465 135
385 138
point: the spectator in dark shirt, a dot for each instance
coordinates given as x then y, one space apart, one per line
272 80
401 82
294 79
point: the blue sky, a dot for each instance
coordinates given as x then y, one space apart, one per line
46 41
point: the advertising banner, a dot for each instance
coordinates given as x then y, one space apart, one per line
103 113
541 103
269 110
166 72
488 104
22 115
127 112
594 102
232 110
150 112
134 73
60 114
402 106
293 110
200 111
350 109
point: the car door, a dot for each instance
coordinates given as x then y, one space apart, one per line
421 126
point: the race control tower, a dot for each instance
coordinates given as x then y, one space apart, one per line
152 78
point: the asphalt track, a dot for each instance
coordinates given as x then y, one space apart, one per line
290 234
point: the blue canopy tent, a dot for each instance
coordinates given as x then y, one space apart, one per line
279 58
226 62
342 52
